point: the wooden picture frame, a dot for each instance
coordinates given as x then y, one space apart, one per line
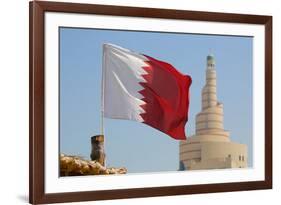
37 194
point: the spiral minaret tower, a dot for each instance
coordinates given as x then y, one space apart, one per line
210 147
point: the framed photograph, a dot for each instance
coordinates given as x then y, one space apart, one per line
132 102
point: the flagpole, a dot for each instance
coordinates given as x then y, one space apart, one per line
102 91
102 98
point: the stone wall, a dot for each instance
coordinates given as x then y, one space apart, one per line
77 166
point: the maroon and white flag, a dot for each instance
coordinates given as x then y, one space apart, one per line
141 88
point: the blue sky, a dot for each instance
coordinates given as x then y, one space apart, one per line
134 145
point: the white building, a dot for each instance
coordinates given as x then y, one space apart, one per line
210 147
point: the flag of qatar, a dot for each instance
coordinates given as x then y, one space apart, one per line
141 88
